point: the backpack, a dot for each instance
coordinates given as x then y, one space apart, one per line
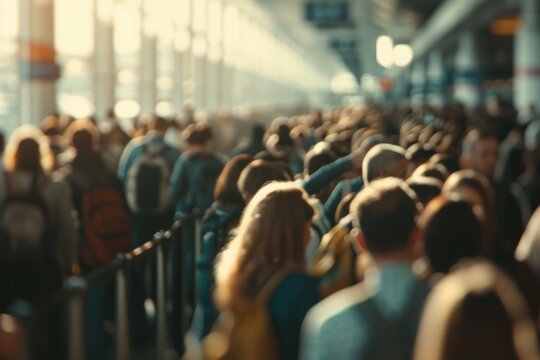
249 333
148 182
24 222
203 172
106 225
393 339
334 263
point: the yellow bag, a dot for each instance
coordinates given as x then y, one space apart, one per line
248 334
334 264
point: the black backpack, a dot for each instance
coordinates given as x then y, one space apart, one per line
202 173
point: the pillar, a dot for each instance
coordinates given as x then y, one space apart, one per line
418 83
39 70
104 70
468 76
436 76
148 73
527 57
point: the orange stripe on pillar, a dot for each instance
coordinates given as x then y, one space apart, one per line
38 52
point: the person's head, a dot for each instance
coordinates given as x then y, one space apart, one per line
157 123
475 188
384 215
384 160
425 188
435 171
476 312
343 208
272 234
257 174
450 231
480 152
28 150
226 190
317 157
82 134
197 134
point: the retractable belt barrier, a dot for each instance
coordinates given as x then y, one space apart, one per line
74 290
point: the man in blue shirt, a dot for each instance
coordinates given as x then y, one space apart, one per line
378 318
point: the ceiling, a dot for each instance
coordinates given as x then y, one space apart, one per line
350 44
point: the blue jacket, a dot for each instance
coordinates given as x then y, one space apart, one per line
215 231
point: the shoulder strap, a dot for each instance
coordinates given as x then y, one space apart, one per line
272 284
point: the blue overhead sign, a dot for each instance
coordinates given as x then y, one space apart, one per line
327 13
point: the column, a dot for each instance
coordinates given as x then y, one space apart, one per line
468 76
527 57
148 70
436 75
39 70
418 83
104 71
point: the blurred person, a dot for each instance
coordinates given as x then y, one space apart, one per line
144 169
255 144
450 231
38 236
281 142
269 249
431 170
355 184
476 312
425 188
191 185
221 218
376 319
474 188
104 219
480 152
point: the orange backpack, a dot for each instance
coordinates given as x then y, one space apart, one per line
106 226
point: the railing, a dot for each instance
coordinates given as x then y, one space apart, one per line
73 293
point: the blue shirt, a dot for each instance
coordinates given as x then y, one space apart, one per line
337 328
343 188
326 174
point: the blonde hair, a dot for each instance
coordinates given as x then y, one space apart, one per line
270 236
14 154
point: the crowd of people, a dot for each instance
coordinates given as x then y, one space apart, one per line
362 232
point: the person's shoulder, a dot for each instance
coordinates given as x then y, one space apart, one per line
338 306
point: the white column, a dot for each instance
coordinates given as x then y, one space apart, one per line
104 70
527 57
436 75
39 70
418 83
468 75
148 74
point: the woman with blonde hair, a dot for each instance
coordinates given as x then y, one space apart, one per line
270 243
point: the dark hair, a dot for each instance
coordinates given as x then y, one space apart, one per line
450 231
431 170
385 212
449 160
257 174
418 154
317 158
197 133
474 136
226 190
28 156
425 188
